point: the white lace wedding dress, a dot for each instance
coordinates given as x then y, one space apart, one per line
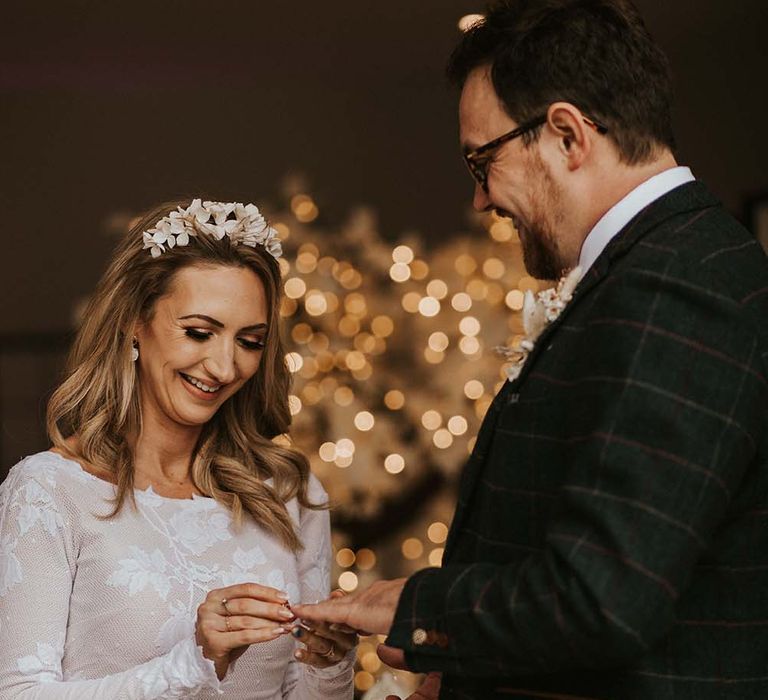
105 609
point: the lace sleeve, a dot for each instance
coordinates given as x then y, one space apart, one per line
304 682
38 562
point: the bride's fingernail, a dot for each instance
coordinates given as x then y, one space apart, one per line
279 630
287 614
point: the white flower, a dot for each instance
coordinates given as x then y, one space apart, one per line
198 528
248 227
141 571
38 506
180 625
45 666
10 567
538 313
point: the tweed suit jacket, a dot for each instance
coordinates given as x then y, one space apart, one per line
611 535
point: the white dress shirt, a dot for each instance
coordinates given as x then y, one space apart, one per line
621 213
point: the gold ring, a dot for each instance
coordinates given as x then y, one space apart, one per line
328 654
224 605
226 622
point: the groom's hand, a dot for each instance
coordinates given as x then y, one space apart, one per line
428 690
369 611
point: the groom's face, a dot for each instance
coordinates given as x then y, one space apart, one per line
520 185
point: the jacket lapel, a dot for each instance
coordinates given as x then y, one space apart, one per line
692 197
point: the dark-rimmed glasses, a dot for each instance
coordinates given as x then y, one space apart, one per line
478 160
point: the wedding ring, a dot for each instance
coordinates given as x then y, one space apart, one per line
224 605
328 654
226 622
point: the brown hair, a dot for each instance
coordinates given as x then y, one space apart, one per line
98 401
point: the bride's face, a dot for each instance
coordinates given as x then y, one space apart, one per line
204 341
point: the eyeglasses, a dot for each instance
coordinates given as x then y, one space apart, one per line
478 159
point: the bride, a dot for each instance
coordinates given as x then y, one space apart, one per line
155 550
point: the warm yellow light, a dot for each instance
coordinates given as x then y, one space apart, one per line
319 342
309 248
458 425
477 289
482 405
343 462
315 303
465 265
437 532
306 262
394 463
283 231
400 272
364 421
419 269
285 267
366 559
469 325
288 307
495 294
528 283
514 300
295 287
468 21
473 389
355 360
350 279
411 302
394 400
294 362
311 394
327 452
355 304
364 680
494 269
363 373
345 447
471 444
461 302
502 231
434 357
431 420
442 439
402 254
469 345
301 333
348 581
345 557
365 342
437 289
438 341
412 548
382 326
304 209
429 306
294 404
436 556
332 301
343 396
370 662
349 326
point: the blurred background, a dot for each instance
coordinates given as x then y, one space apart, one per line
336 119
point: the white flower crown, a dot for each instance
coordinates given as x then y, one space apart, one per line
248 227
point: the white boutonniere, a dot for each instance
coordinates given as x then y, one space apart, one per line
538 312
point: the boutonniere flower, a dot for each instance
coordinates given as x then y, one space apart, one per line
538 312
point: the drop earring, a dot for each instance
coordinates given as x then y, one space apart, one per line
135 350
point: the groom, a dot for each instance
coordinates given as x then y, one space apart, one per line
611 534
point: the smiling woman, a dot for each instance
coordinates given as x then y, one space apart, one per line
175 388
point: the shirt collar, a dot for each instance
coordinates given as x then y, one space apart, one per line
621 213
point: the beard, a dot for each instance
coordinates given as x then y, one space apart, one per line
541 252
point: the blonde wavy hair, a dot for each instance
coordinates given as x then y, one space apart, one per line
98 401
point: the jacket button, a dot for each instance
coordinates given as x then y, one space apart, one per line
419 636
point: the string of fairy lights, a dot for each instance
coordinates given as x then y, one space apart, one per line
393 364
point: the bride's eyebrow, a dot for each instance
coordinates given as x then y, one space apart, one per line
219 324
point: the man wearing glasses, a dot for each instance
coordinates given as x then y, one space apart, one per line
611 534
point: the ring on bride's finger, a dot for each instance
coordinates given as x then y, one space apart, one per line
226 622
328 654
224 605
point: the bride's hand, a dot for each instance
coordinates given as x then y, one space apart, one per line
232 618
324 644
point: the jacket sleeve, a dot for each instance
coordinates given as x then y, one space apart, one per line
676 402
37 567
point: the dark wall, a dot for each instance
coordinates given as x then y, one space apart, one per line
109 107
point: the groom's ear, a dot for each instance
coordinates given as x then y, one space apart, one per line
573 135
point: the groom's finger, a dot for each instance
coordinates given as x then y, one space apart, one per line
336 610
